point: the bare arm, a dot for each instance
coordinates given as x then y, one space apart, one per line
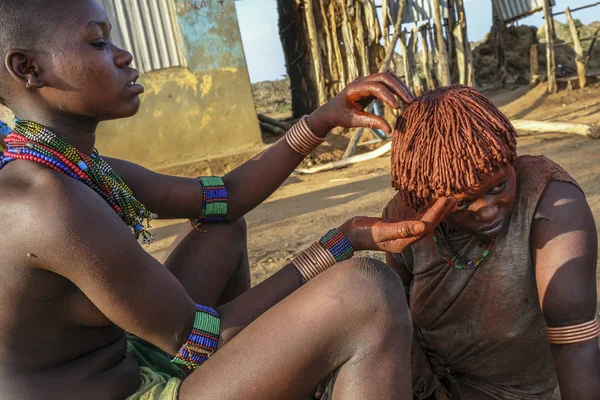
88 244
565 251
398 267
254 181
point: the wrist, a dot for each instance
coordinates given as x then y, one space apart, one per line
318 124
347 229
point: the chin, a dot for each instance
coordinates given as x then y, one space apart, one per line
124 111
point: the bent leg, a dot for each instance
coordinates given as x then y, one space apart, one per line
211 265
352 317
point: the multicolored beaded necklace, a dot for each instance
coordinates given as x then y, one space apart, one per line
471 264
34 142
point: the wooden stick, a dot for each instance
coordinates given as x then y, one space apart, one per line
274 122
578 50
591 49
348 161
275 130
441 44
314 49
594 37
578 9
557 127
551 61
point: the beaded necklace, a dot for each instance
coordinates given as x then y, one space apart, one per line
471 264
34 142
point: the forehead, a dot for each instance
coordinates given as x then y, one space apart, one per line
488 182
82 15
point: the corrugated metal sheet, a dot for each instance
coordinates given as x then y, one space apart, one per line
416 10
149 30
511 10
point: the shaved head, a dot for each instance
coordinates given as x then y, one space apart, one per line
27 25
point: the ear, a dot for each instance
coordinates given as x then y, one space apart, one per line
21 65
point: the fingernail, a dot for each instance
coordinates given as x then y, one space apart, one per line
418 228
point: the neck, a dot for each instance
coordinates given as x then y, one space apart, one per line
79 132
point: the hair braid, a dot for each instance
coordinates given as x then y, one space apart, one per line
445 141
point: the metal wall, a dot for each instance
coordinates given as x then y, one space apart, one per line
417 10
514 9
149 30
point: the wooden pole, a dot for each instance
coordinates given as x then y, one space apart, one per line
408 74
360 40
348 39
425 57
579 59
550 60
466 46
385 66
397 30
535 65
314 50
336 47
441 44
414 47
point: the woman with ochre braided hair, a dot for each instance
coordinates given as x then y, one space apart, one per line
503 293
75 279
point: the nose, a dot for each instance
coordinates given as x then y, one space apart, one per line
487 211
123 58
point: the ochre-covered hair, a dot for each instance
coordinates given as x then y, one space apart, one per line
445 141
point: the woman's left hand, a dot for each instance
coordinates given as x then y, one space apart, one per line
347 109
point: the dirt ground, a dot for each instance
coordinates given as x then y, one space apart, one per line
305 207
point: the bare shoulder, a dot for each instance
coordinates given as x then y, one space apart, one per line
44 209
563 201
397 210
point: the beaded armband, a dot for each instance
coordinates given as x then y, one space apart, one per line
338 245
574 333
333 248
203 340
301 139
214 201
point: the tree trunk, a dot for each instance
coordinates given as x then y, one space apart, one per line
297 59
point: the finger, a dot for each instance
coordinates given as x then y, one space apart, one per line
367 89
408 97
434 216
394 84
399 230
367 120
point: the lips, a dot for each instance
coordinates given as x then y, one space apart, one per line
134 79
133 86
493 228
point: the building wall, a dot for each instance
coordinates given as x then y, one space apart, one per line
202 110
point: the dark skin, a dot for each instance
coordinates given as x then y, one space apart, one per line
74 278
564 251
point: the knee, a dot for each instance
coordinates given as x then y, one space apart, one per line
376 290
239 227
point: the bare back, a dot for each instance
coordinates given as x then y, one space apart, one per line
54 341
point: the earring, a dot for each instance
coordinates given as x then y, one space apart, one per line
27 86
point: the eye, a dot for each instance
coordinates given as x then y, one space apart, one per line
498 189
463 204
101 45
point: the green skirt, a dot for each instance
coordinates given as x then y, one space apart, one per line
159 378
